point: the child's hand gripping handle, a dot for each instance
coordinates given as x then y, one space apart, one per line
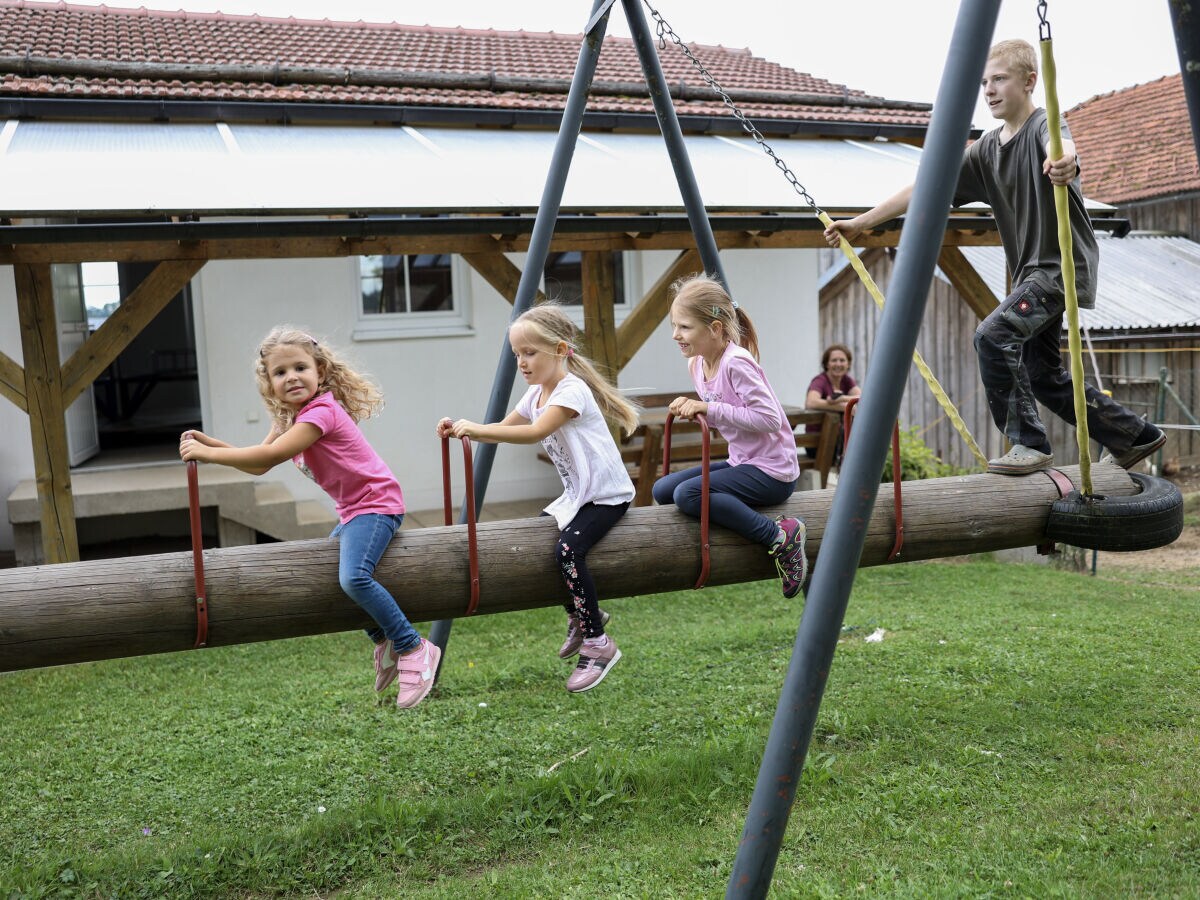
472 545
197 555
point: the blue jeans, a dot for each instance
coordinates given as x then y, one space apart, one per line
1020 363
361 542
732 491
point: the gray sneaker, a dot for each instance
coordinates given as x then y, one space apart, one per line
1136 453
594 663
1020 460
575 635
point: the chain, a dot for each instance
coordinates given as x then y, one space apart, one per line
665 31
1043 25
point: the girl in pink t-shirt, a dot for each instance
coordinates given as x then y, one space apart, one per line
721 345
315 401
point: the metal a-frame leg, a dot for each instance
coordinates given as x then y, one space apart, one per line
547 215
1185 19
858 483
668 124
535 260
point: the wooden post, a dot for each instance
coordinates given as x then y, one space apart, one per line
653 308
138 605
499 273
599 297
136 311
47 411
12 382
970 286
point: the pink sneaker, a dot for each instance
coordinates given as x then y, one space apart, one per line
594 663
415 672
575 635
385 664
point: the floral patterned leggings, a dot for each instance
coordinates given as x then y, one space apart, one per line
590 524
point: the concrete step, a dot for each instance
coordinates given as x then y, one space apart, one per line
245 504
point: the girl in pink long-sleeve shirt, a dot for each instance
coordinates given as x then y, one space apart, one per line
721 345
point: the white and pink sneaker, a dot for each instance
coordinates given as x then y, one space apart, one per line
385 664
416 671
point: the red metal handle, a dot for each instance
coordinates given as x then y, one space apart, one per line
897 492
197 555
705 439
472 543
847 421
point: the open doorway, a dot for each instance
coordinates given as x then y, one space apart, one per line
151 391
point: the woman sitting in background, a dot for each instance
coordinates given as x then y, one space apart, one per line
832 389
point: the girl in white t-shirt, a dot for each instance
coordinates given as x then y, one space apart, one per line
565 409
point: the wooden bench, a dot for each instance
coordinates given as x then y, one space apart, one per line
642 451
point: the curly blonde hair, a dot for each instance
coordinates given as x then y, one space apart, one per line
357 394
546 325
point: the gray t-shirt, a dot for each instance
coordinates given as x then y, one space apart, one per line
1008 177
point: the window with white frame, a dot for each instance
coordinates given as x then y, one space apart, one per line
406 284
409 295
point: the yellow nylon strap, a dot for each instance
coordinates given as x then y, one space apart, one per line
939 393
1065 248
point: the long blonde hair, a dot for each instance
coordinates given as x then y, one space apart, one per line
357 394
547 325
704 299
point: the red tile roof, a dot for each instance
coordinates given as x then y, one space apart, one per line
62 31
1136 143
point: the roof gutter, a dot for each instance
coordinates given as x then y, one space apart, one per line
374 226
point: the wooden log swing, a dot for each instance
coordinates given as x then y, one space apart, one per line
82 611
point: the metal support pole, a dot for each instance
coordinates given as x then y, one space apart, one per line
668 124
1160 412
535 262
858 484
1186 21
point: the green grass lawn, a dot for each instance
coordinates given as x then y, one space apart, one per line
1019 731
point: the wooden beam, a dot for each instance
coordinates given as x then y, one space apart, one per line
138 605
651 309
326 247
599 297
848 276
136 311
970 286
47 412
498 271
12 382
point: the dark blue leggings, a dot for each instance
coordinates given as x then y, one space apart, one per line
733 490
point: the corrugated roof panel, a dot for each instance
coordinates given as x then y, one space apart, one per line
114 137
1145 281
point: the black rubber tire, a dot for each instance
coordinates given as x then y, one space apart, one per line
1151 518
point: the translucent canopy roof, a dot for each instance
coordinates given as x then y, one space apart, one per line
93 168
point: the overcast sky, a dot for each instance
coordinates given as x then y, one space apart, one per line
893 48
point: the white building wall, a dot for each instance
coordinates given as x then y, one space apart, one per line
237 302
16 447
428 377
